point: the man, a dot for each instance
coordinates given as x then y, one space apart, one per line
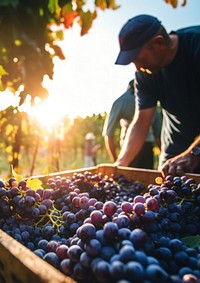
168 70
122 112
90 150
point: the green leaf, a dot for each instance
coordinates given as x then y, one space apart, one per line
54 7
191 241
34 184
15 175
2 71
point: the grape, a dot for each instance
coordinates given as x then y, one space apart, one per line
52 246
86 232
96 217
134 270
52 259
141 257
12 182
79 271
3 191
66 266
127 207
109 208
30 201
42 244
2 184
39 252
93 247
124 233
139 198
139 208
84 202
122 221
152 204
163 253
47 202
85 260
181 257
156 274
102 271
107 252
74 253
127 253
116 269
110 230
138 237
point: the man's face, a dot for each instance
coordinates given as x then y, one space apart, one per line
150 59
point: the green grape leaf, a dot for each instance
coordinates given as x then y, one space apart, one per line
34 184
2 71
15 175
54 7
191 241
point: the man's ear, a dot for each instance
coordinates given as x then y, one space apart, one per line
159 39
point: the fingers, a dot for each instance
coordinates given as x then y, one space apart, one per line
172 169
179 170
164 170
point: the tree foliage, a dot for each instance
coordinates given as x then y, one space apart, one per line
174 3
29 30
28 41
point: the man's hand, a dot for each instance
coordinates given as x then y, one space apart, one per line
180 164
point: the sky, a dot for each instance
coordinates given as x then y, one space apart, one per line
88 81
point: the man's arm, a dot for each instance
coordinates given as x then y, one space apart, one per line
110 147
136 135
184 162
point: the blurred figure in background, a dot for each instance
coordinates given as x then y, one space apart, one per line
121 113
90 150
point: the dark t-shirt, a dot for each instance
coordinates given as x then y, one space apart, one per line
177 87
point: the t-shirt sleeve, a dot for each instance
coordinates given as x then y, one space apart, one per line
112 121
144 91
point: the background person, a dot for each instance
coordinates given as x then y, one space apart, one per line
90 150
168 70
122 112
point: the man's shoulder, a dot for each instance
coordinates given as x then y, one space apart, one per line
127 94
189 30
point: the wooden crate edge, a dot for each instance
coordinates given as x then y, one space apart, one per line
22 264
144 176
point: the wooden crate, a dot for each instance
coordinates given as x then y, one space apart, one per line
20 265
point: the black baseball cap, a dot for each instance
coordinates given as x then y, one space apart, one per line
133 35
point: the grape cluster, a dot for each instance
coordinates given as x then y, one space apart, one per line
100 229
